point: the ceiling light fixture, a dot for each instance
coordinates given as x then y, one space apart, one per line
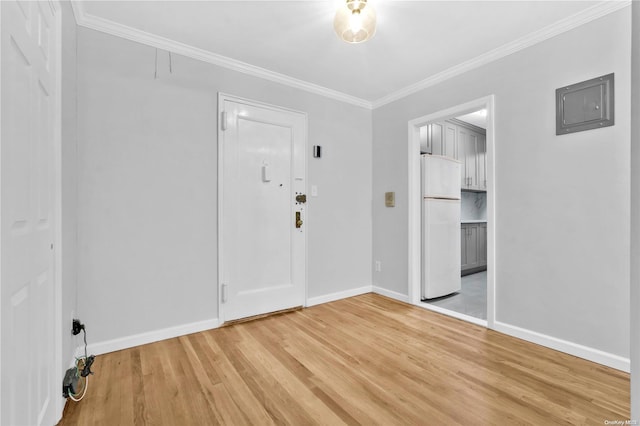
355 21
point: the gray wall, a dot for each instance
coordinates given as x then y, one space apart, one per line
148 179
635 213
562 203
69 183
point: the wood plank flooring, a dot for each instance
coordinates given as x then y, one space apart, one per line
365 360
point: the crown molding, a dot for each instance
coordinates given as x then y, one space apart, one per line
78 11
103 25
594 12
109 27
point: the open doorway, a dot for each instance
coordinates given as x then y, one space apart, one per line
464 134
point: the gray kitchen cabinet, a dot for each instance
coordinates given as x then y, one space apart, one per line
463 246
482 162
462 156
469 246
425 139
482 244
473 247
450 141
472 155
471 159
464 143
442 139
468 148
436 134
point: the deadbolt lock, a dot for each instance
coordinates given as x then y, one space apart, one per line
298 220
301 198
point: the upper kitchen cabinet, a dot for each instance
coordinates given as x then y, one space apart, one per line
463 142
467 144
439 138
450 141
482 162
425 140
472 148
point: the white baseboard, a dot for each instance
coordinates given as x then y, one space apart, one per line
591 354
392 294
148 337
312 301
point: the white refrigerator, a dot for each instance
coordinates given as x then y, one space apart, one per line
440 226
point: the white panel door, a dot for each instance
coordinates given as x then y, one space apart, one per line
262 247
28 83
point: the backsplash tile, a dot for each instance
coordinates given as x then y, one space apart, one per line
473 206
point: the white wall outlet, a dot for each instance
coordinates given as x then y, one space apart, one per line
378 266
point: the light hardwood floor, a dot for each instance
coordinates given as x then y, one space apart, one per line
363 360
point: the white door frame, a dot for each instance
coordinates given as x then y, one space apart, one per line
222 97
414 204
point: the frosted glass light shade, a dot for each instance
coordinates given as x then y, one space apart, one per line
355 26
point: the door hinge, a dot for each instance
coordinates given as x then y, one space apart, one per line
223 120
223 295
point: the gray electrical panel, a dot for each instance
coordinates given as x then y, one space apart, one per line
585 106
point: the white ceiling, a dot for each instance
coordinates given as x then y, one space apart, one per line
415 40
477 118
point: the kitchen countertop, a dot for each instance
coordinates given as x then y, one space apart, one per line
474 221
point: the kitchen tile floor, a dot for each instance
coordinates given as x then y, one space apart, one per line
470 300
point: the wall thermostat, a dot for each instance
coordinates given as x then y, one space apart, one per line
390 199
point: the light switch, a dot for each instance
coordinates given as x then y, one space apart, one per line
314 190
390 199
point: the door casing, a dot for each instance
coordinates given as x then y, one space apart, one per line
414 205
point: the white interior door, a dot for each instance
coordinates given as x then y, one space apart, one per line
28 84
262 248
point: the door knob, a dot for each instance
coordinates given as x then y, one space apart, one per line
301 198
298 220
